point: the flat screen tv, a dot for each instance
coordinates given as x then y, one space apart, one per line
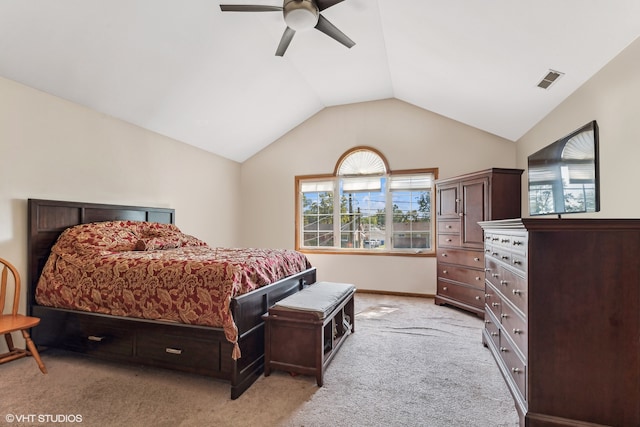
564 176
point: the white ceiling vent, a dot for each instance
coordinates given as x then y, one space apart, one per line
548 80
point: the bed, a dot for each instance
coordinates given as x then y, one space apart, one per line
190 342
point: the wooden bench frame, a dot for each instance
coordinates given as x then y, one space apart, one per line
299 342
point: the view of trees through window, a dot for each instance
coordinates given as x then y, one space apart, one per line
373 220
366 207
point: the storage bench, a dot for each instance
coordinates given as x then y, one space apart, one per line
304 331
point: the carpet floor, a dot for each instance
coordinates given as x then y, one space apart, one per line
409 363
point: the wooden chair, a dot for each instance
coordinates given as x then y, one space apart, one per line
16 322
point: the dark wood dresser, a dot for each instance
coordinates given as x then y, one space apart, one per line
462 202
562 318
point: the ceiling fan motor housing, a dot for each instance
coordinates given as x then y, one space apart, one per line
300 14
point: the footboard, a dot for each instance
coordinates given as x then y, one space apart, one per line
248 310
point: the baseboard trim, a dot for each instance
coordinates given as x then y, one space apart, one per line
397 294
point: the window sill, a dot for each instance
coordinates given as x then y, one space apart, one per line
332 251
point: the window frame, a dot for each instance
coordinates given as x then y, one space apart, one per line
335 179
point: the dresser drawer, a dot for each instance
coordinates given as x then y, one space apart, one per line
461 256
465 294
449 240
493 301
492 329
519 262
464 275
519 244
449 227
515 289
179 351
516 368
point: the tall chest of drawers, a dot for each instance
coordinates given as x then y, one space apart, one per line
562 304
506 291
462 202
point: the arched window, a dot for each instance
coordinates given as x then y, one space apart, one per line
365 207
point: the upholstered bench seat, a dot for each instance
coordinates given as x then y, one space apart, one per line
305 330
318 300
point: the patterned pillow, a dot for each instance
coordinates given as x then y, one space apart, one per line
118 236
157 243
167 242
114 236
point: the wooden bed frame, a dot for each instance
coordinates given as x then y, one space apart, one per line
189 348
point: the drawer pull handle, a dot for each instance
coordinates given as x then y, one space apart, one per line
517 243
494 334
503 282
504 316
516 262
444 255
95 338
444 288
504 257
487 321
448 240
487 295
173 350
504 349
517 331
476 259
448 226
478 278
444 271
494 274
516 370
495 304
478 298
517 292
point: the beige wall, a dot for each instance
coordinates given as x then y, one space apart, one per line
53 149
409 137
612 97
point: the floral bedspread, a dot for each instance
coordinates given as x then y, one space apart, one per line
154 271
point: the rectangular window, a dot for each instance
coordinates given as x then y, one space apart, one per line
411 202
371 214
360 201
317 213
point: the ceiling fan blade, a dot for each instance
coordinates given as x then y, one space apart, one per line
329 29
325 4
284 41
249 8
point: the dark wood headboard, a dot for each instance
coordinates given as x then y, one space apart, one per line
49 218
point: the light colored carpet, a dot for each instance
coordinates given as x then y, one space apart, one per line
409 363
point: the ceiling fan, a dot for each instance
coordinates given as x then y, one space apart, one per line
298 15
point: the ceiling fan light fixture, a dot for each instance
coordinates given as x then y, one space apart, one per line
300 14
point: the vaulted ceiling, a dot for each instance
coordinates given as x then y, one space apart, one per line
211 79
